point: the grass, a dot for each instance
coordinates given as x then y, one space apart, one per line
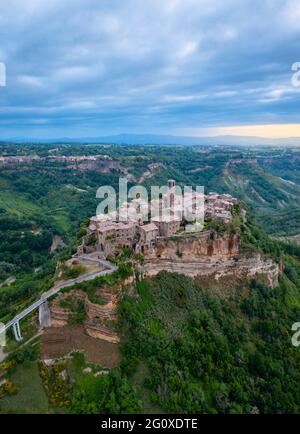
63 221
77 363
28 330
16 204
144 394
31 397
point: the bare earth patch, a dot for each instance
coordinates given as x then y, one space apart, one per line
59 342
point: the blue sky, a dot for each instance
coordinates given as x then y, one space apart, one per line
190 67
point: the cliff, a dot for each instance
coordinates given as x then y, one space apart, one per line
241 266
189 246
99 319
206 254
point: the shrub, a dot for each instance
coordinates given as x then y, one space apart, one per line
73 272
56 383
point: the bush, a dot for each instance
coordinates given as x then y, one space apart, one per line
73 272
56 383
8 388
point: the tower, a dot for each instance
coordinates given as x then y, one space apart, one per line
171 193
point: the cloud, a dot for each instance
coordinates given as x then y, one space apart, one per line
269 131
30 80
147 66
189 48
266 131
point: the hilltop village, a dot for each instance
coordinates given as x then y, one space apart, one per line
109 233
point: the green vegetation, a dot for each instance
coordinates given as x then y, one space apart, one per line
76 308
90 286
286 222
46 198
25 393
73 271
56 383
92 240
203 354
30 398
185 349
95 298
92 394
79 316
254 238
206 355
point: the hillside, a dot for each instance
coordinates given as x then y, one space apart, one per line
54 194
274 200
194 346
188 345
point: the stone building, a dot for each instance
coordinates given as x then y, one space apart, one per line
148 236
116 235
167 226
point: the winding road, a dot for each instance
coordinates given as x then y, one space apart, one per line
88 259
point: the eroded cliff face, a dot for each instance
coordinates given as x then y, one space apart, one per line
197 246
100 317
241 266
208 255
99 320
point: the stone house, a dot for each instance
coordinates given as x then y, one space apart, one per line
148 236
167 226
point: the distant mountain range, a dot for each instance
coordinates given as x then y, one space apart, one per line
154 139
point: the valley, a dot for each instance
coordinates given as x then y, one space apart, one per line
223 293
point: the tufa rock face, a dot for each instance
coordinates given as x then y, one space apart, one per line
197 246
99 317
98 331
207 255
241 266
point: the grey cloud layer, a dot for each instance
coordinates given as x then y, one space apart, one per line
103 66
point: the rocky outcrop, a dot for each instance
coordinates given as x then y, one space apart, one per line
57 242
196 246
105 312
98 331
59 315
206 254
100 317
242 266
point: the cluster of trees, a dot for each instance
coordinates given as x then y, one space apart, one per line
207 355
210 355
43 205
56 383
112 394
20 245
286 222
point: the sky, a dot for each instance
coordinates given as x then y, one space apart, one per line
87 68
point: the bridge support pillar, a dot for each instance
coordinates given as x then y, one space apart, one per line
17 331
44 315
